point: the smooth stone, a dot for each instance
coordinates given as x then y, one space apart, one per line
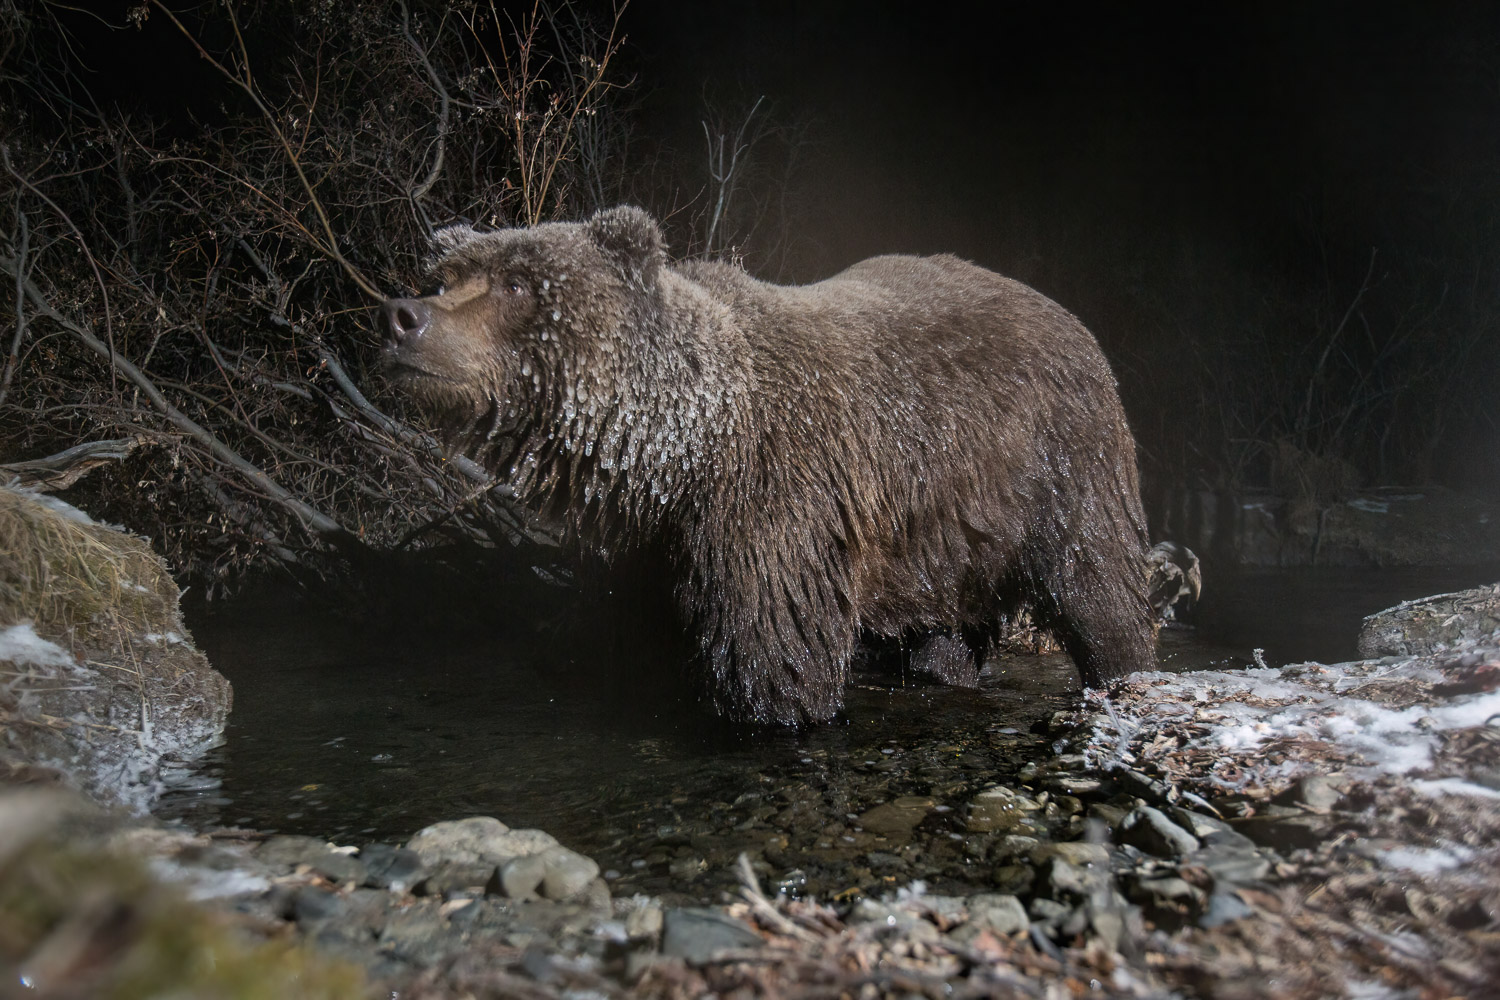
419 935
520 878
1287 833
1014 845
1198 824
1144 786
1048 910
312 904
1150 830
898 817
390 867
1232 863
457 839
567 873
1001 912
1223 908
1107 814
696 934
1070 784
455 876
1064 880
1169 893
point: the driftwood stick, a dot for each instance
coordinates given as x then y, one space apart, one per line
59 471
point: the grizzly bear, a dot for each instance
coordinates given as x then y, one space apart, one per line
908 451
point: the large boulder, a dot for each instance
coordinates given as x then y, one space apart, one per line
100 684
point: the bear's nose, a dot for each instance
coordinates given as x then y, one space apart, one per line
405 320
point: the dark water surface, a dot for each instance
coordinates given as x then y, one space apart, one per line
361 733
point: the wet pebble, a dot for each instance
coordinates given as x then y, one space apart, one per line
1150 830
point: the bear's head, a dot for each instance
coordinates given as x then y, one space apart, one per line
527 330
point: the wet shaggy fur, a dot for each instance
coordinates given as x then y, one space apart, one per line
909 450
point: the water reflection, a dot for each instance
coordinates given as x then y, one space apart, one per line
361 734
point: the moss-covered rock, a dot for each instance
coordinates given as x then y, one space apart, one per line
99 681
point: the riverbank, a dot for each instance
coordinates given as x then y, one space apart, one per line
1305 831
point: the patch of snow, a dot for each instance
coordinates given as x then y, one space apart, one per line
1240 711
170 638
57 506
1454 786
207 883
21 645
1360 990
1426 860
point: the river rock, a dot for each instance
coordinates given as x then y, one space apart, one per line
477 839
999 808
566 873
520 878
390 867
898 817
455 877
697 934
1319 793
1232 862
1287 833
1150 830
1064 880
1000 912
292 852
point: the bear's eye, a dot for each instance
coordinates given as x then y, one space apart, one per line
433 290
513 286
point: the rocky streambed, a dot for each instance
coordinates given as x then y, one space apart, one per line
1306 831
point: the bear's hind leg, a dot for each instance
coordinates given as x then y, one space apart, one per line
948 659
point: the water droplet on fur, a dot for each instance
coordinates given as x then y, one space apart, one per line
556 315
525 368
544 335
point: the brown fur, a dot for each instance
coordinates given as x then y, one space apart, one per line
911 448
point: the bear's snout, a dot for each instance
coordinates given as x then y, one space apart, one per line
405 321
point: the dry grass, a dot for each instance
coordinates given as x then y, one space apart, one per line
76 579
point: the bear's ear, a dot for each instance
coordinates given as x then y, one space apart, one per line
451 238
632 240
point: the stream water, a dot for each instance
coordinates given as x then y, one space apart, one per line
361 733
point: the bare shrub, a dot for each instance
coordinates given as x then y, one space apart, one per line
206 285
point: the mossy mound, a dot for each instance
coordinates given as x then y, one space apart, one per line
99 679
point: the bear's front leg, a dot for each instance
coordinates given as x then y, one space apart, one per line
775 629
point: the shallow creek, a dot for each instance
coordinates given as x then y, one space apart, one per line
359 734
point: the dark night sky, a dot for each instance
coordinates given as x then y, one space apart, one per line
939 127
